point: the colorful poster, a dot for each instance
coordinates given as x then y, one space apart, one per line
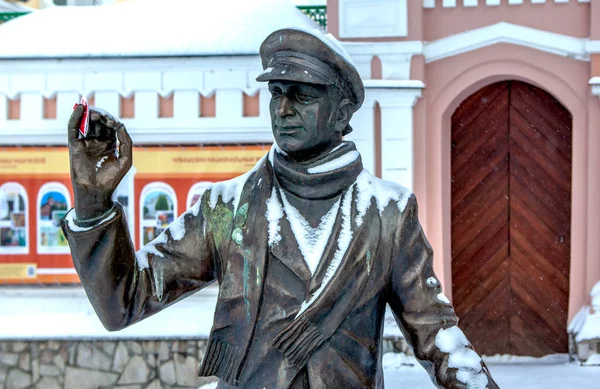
13 219
53 205
158 211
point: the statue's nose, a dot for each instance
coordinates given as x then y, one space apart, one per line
284 107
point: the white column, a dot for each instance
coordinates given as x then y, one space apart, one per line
229 104
186 104
363 132
146 108
264 99
395 66
64 105
3 109
397 134
32 108
108 101
362 63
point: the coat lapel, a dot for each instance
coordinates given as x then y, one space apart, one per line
288 252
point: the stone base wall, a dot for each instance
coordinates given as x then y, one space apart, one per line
167 364
164 364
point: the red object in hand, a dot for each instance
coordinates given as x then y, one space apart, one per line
84 127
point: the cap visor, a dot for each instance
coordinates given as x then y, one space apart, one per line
292 72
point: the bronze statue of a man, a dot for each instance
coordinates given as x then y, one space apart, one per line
307 248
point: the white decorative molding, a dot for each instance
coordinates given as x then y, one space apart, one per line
503 32
592 47
595 83
375 86
395 57
127 76
373 18
492 3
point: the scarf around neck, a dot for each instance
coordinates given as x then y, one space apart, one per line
323 177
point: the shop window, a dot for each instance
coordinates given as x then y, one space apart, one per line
158 205
196 192
53 204
14 234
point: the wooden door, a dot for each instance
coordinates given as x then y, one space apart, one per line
511 212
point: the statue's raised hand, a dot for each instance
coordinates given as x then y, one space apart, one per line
97 165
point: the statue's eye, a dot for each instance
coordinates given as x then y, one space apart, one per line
275 94
303 97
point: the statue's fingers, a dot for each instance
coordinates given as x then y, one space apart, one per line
74 123
98 115
125 146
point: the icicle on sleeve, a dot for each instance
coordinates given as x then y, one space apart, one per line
425 315
125 286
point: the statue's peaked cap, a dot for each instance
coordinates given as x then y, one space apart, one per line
309 56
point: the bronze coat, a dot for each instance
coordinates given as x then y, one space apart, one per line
225 239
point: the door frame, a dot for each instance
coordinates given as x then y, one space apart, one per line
440 107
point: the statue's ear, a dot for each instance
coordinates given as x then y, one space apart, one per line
344 114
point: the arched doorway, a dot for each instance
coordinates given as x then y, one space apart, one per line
511 219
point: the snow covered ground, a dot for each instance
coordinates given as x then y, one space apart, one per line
552 372
67 313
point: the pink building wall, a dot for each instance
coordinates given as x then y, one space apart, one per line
448 81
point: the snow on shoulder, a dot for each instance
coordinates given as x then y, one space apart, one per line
370 187
231 190
141 28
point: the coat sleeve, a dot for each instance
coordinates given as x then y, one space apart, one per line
425 315
125 286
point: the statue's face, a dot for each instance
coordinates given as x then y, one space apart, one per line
304 118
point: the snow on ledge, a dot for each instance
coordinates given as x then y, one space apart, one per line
67 314
593 360
586 323
149 28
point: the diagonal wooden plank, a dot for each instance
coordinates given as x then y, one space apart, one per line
484 288
477 105
543 154
554 200
549 296
532 169
554 252
544 114
521 251
559 223
495 299
485 192
523 301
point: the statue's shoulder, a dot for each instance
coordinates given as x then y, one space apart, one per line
228 193
382 192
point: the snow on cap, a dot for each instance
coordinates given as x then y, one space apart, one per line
309 56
